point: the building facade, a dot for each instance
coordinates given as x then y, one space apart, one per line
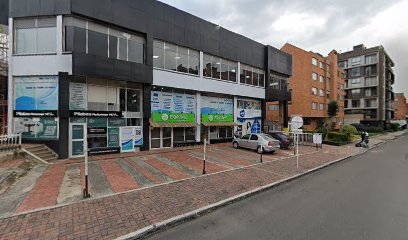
315 82
369 80
123 76
400 107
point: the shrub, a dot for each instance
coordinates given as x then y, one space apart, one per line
370 129
349 129
340 137
394 127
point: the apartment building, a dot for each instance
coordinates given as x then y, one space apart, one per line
369 80
400 107
123 76
315 82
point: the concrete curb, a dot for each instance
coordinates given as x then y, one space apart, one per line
144 232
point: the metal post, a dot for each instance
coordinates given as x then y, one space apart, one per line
297 153
205 153
86 190
261 155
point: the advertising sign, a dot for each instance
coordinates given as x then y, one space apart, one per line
173 117
40 129
113 137
36 93
35 113
217 118
250 115
214 105
77 96
96 114
138 136
127 139
173 107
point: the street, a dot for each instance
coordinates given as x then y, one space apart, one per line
365 197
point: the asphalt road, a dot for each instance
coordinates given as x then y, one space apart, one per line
365 197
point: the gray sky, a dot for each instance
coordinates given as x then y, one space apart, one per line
318 25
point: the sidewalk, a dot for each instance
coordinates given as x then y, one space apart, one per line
120 214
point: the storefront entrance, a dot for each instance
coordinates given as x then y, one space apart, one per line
161 138
77 136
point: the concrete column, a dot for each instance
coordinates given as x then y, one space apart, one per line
201 65
236 113
198 116
10 122
59 35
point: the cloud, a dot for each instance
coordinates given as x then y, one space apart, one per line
319 25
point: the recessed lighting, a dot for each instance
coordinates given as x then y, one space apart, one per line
155 56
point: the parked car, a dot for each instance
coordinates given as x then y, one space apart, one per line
259 142
284 140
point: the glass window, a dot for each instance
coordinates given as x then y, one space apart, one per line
182 59
133 100
133 122
314 91
224 69
355 72
321 106
246 137
321 78
190 134
194 62
97 98
314 105
370 59
321 93
178 134
321 65
254 137
314 76
207 65
261 78
158 54
242 74
355 61
35 35
135 51
113 99
216 67
170 55
255 77
222 132
233 71
273 107
248 75
314 61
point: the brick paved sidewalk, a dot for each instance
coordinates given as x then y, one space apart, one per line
120 214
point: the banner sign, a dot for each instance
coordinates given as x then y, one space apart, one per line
214 105
117 122
173 117
138 136
36 93
40 129
40 113
127 139
250 115
217 118
96 114
77 96
173 107
113 137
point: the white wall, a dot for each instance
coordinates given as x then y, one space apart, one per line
41 65
185 81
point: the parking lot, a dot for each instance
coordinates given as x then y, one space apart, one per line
63 182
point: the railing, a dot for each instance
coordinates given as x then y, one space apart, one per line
10 142
307 139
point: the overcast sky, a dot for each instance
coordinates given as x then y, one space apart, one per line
318 25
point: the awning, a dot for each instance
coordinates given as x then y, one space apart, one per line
220 124
172 125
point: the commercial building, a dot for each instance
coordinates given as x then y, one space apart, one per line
315 82
400 107
369 80
134 75
3 78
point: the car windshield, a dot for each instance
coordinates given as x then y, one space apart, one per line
282 136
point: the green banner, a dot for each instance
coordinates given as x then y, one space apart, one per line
173 117
216 118
113 137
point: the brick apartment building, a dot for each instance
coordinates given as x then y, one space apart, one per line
400 107
369 92
316 81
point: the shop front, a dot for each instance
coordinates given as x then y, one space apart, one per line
173 120
105 116
217 118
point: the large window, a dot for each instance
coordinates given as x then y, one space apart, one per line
370 70
314 61
183 134
314 105
175 58
219 68
355 72
343 64
252 76
35 35
314 76
96 39
355 61
314 91
370 59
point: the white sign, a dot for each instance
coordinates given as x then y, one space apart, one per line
296 122
127 139
138 138
77 96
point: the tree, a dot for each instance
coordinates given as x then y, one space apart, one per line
332 111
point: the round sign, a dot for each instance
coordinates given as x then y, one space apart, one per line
296 122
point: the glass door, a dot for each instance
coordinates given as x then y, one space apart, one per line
161 138
77 136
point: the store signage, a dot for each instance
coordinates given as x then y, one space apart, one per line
43 129
216 118
93 131
77 96
127 139
36 93
138 136
95 114
173 117
101 151
37 113
113 137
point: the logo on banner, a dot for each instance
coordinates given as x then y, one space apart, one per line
165 117
210 118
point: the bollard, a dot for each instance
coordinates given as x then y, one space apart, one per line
261 156
205 152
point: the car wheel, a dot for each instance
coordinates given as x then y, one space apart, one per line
235 145
260 149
